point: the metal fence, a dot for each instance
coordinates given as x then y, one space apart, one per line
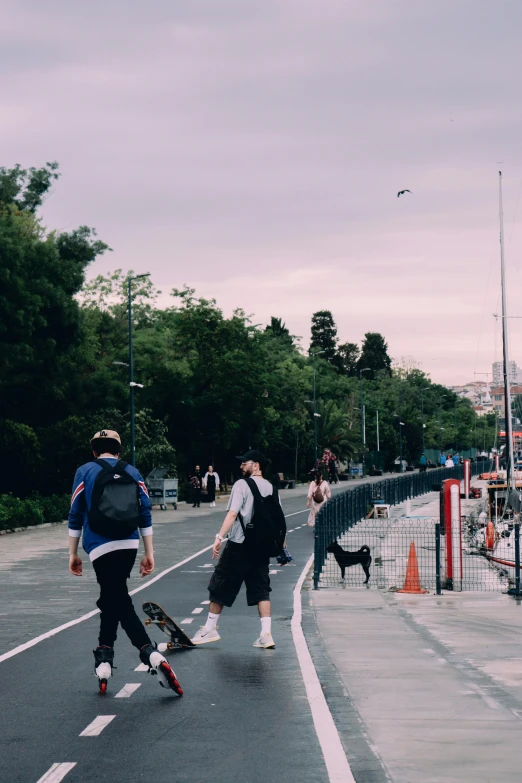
343 519
389 554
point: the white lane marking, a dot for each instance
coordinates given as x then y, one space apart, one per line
207 565
295 513
290 531
54 631
97 726
198 610
205 602
273 572
71 623
127 690
57 772
142 668
187 621
334 756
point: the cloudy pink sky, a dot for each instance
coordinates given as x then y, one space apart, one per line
254 150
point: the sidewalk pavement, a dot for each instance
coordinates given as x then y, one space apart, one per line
432 684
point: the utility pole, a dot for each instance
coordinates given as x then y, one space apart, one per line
361 406
423 389
131 367
377 414
316 415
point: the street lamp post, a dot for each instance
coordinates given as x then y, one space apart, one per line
423 389
316 415
132 385
363 428
440 421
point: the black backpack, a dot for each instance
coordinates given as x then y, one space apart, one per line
266 532
115 501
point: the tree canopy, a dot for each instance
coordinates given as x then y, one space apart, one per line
213 385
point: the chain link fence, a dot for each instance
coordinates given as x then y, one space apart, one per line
351 550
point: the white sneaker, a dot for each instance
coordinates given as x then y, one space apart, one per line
265 640
204 636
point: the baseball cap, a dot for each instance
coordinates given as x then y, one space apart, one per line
254 455
106 434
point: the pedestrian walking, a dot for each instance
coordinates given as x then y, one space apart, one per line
449 462
110 505
456 459
211 483
196 483
423 463
442 459
318 493
255 530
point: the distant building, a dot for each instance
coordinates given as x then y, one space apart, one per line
477 392
514 373
498 399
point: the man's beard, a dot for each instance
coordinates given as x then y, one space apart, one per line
247 471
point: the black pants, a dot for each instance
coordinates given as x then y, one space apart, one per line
196 496
115 604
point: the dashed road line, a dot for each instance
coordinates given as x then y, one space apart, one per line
198 610
142 668
97 726
57 772
128 690
71 623
205 602
186 621
273 572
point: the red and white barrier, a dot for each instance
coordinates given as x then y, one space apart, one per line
467 478
453 527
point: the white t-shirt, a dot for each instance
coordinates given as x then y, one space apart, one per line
242 502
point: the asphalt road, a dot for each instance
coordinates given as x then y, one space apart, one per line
245 715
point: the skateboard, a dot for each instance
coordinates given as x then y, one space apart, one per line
156 616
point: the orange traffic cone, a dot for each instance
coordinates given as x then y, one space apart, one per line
412 582
490 535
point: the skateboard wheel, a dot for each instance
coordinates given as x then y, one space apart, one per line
163 622
170 646
148 621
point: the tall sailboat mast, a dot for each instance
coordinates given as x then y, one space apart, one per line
507 391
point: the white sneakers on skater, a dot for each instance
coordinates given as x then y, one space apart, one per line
205 635
265 640
103 671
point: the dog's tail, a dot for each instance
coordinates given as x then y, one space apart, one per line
365 549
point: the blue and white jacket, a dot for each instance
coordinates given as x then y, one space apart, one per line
93 544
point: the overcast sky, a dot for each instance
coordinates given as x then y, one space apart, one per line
254 149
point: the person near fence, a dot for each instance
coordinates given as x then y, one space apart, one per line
423 463
442 459
210 484
318 493
254 527
110 507
196 483
449 462
456 459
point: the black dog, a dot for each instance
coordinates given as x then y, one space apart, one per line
346 559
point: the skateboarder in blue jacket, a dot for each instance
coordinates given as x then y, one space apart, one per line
112 510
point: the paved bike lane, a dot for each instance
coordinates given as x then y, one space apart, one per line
245 714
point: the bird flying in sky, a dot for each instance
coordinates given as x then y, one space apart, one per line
401 192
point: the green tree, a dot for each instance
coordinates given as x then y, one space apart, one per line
348 358
324 334
374 355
